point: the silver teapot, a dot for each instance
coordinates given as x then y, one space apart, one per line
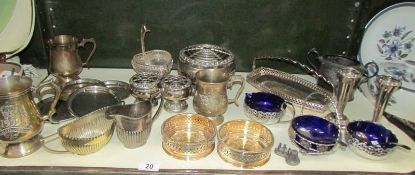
329 65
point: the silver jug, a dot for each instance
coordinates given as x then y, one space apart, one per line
64 60
133 122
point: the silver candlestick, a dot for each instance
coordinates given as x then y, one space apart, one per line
348 78
386 86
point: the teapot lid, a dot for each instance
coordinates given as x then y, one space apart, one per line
16 25
14 86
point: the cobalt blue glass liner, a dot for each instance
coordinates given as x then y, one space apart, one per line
265 102
375 133
315 129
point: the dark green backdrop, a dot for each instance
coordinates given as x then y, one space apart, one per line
247 27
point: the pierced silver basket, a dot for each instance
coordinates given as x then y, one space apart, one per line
158 62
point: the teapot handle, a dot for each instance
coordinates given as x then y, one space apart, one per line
57 93
368 74
82 44
312 54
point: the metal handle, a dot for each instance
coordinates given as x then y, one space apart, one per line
159 109
332 101
57 94
143 32
312 54
82 44
45 141
287 60
234 80
366 73
292 111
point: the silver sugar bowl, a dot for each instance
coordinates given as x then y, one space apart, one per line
175 89
145 86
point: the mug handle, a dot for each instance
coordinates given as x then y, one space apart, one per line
312 54
82 44
57 93
292 112
46 140
236 79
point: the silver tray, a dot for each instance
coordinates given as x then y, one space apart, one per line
91 98
290 87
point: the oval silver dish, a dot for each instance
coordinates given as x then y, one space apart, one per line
290 87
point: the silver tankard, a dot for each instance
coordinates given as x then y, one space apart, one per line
211 98
20 120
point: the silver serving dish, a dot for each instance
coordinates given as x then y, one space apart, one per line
91 98
72 86
290 87
120 88
204 56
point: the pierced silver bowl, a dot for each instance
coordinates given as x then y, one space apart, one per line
266 108
158 62
145 86
314 135
176 89
204 56
371 140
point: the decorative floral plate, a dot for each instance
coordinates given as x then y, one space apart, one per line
389 41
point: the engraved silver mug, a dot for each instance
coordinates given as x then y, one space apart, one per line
20 119
211 98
